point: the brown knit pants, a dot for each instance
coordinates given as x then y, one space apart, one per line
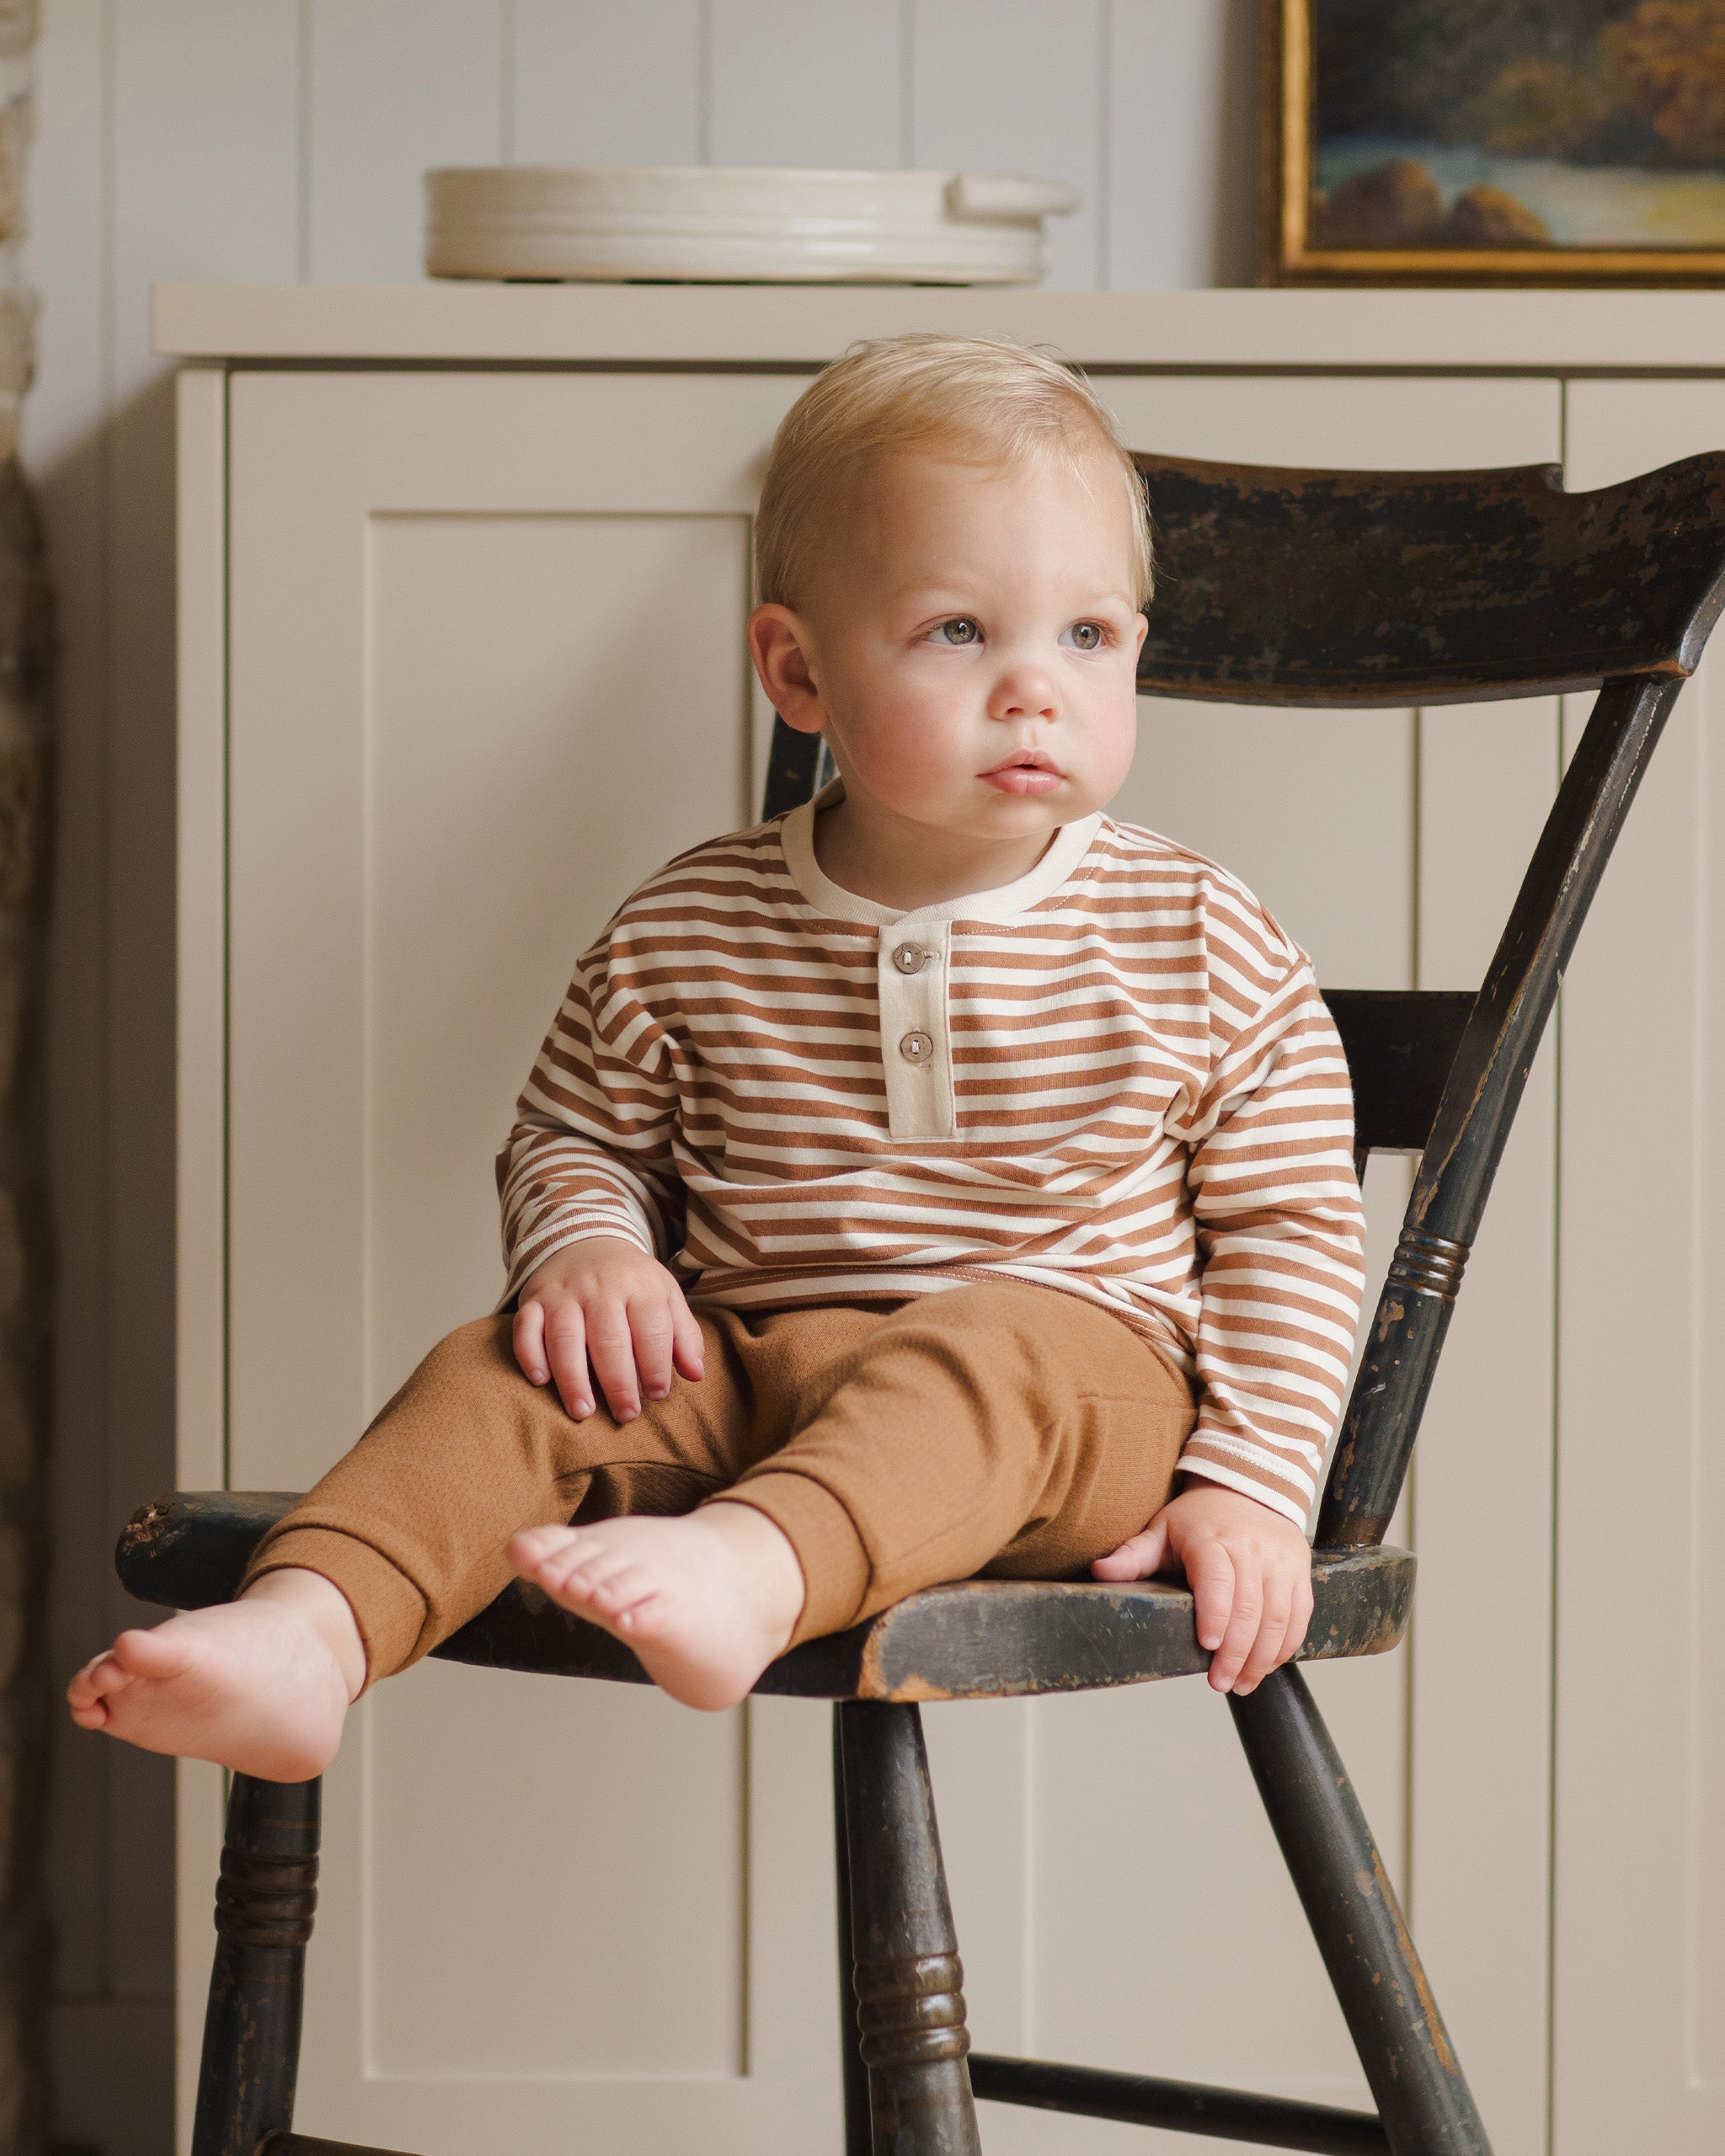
1007 1429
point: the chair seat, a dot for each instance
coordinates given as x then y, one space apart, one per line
975 1640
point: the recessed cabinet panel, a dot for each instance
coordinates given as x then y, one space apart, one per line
537 744
508 1895
556 707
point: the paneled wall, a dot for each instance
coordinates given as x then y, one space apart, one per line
284 139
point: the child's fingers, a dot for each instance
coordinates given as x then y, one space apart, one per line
1299 1608
1209 1573
566 1355
1293 1638
650 1325
530 1342
611 1350
1239 1634
1136 1558
1266 1649
688 1345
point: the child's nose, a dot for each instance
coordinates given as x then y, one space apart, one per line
1024 692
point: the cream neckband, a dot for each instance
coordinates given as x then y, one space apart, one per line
1067 849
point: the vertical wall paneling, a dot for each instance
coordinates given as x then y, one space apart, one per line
1172 75
1481 1722
1639 1993
805 82
1011 86
607 81
394 87
205 149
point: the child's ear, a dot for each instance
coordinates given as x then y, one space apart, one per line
778 644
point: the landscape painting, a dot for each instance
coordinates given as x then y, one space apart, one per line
1546 140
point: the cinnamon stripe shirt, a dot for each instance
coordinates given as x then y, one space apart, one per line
1114 1077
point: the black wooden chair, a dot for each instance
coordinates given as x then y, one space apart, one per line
1277 587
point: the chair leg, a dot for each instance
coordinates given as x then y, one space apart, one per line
263 1903
909 1980
1421 2097
859 2134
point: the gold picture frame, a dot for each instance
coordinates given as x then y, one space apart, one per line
1294 249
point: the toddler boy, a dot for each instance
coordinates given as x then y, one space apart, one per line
924 1183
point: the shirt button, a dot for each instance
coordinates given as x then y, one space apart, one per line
911 958
916 1048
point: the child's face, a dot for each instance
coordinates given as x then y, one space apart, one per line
969 645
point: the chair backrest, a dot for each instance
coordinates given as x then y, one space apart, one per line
1398 588
1294 588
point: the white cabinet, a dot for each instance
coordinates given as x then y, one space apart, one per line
461 610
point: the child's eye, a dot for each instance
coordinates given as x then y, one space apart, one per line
1086 635
960 629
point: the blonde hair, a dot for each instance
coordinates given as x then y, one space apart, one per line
987 402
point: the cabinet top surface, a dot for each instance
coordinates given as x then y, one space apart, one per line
758 325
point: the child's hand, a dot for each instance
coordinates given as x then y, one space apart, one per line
1250 1573
605 1302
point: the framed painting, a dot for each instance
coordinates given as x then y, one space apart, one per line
1493 142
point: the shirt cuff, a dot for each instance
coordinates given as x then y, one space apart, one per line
1280 1497
526 1262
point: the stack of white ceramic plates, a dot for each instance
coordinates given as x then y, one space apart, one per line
738 224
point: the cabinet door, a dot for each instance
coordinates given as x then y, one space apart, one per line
486 671
1639 2017
486 674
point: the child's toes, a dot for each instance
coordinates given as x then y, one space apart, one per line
577 1571
534 1545
85 1690
619 1590
95 1683
554 1566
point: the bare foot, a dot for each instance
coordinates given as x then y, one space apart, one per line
706 1601
261 1685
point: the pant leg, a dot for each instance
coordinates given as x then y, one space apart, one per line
1008 1429
412 1524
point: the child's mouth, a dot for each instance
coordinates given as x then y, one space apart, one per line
1030 773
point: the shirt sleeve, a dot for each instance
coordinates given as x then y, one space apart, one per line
591 1151
1281 1235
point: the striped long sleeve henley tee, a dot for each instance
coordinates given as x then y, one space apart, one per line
1114 1077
